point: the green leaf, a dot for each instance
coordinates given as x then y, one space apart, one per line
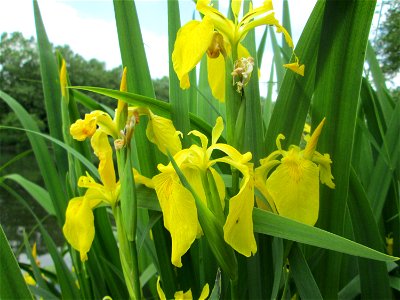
51 88
72 151
13 285
373 274
212 229
36 191
268 223
177 97
47 168
303 278
293 102
338 81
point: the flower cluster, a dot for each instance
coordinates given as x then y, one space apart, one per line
219 37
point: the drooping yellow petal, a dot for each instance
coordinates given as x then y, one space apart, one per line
295 67
79 225
325 173
288 38
104 152
179 211
192 41
160 292
294 188
216 76
238 228
162 133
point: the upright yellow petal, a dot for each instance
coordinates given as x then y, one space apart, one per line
217 130
216 76
160 292
179 211
161 131
192 41
312 142
63 78
79 225
294 188
205 292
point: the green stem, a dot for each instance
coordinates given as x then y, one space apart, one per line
232 97
128 256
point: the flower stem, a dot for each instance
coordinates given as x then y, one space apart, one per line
128 256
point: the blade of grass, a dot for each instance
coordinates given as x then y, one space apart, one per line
373 274
268 223
51 88
49 173
13 285
177 97
292 104
338 82
36 191
301 273
67 284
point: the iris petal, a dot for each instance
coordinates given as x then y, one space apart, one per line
216 76
79 225
192 41
179 211
294 188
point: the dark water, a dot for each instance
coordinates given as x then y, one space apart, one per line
14 216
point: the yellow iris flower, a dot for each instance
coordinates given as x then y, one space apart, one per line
292 189
178 205
79 221
180 295
216 35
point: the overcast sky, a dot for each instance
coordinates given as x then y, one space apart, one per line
88 26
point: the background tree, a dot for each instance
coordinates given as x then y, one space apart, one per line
388 41
20 78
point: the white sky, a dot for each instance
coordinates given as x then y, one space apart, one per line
88 26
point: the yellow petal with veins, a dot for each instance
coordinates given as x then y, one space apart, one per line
161 131
238 228
79 225
294 188
179 211
216 76
192 41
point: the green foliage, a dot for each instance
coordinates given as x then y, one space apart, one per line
388 41
352 250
